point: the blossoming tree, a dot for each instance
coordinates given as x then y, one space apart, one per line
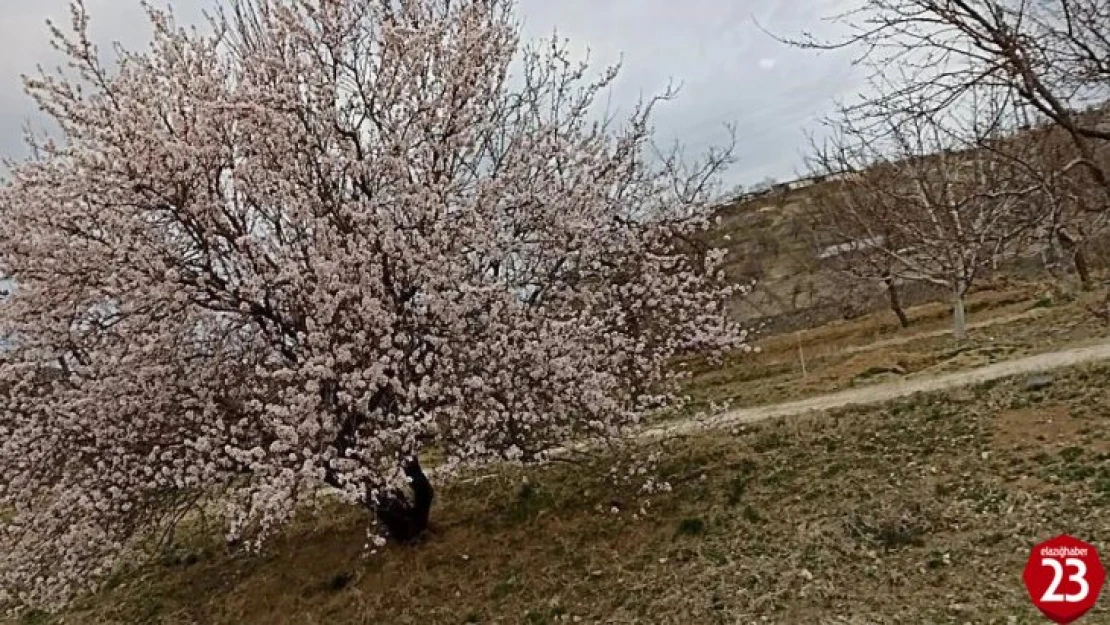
299 248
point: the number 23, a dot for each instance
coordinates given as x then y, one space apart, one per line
1079 577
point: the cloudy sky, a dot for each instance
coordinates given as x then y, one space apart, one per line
730 70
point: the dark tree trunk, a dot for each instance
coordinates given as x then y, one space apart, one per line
405 518
1079 257
896 301
1082 269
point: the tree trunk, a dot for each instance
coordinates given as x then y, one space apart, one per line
405 520
896 301
1078 255
1081 268
1102 311
959 316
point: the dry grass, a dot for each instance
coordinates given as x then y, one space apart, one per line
1022 320
918 511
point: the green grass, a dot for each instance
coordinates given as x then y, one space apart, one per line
918 511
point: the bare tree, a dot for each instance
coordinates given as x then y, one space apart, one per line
915 197
1052 55
1070 199
859 259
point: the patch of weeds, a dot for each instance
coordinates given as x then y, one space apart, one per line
1044 301
780 477
1101 486
770 440
751 515
507 586
690 527
529 502
894 536
177 558
944 490
716 556
115 579
992 539
339 581
1071 454
536 617
746 466
35 617
1077 472
986 499
938 412
148 609
891 533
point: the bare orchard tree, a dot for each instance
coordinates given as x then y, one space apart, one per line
304 248
1052 55
1068 205
914 198
837 247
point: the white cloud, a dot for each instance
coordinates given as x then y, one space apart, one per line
714 49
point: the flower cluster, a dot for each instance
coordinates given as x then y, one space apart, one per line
300 247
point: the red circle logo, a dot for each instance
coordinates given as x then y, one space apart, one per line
1064 577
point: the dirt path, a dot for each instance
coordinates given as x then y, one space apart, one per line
885 392
873 394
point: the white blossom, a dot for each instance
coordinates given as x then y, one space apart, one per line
303 249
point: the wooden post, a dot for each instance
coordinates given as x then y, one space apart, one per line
801 354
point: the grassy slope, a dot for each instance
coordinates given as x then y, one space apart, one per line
873 348
920 511
799 521
772 240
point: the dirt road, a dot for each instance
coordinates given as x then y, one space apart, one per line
874 394
885 392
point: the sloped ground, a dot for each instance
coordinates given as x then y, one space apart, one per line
922 510
775 240
1004 324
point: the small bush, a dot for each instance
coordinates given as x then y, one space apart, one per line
691 527
752 515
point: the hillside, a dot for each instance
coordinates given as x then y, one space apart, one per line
772 244
922 510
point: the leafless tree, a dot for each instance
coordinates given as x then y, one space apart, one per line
1069 201
1052 55
917 197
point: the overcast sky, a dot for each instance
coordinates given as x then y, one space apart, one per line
730 71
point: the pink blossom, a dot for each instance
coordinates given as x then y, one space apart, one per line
304 247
